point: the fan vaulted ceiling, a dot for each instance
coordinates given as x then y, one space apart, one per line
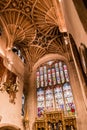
34 26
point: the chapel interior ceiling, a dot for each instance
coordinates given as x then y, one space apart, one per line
34 26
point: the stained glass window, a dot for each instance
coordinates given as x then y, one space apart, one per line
23 99
61 72
49 77
41 77
38 79
54 76
45 76
69 102
57 73
58 97
49 98
17 51
40 101
53 88
66 72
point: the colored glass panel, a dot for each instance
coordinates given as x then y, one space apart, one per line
61 72
58 97
40 101
41 70
67 93
41 77
45 70
68 97
23 99
57 73
38 79
49 77
45 75
50 62
42 80
53 76
49 98
66 73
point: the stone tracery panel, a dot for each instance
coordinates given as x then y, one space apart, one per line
53 88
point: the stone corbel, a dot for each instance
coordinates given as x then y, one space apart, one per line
11 89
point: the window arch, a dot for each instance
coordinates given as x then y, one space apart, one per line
23 101
53 88
17 51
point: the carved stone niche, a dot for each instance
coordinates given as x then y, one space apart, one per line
70 123
55 120
8 82
50 121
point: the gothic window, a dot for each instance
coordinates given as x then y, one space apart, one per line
53 88
49 98
68 97
23 99
40 100
18 52
58 94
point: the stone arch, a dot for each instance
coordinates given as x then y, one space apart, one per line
9 127
47 58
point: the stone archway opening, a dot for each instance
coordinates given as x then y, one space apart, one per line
9 127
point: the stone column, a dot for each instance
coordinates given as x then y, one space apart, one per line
31 101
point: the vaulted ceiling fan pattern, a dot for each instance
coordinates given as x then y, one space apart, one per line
33 26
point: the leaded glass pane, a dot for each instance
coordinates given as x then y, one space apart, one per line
53 76
50 62
49 98
58 97
38 79
23 100
40 101
67 93
41 77
49 77
45 70
57 73
42 80
66 73
41 70
61 72
45 75
53 88
69 102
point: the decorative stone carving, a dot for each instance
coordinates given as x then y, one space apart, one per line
11 88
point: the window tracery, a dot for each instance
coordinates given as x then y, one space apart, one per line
53 88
